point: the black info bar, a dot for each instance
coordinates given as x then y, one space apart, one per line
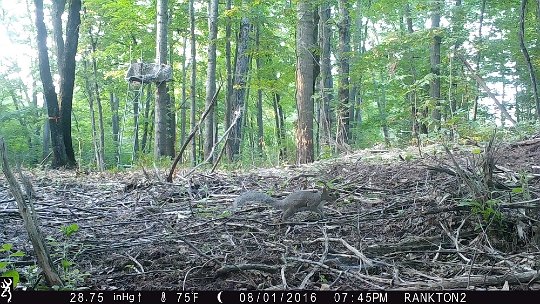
248 297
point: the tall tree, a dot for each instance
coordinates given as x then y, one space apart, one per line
211 77
67 78
59 117
58 8
258 62
479 55
193 86
162 107
183 105
239 87
145 142
327 82
411 95
228 63
304 82
115 124
343 65
435 63
101 138
527 57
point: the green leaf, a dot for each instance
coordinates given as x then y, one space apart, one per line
17 254
70 229
66 263
476 151
517 190
6 247
3 265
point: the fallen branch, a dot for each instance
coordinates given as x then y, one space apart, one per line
34 234
484 86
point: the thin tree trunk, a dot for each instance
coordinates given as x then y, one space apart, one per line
58 8
146 121
435 63
356 89
280 127
136 122
525 52
101 139
381 105
211 78
342 137
417 126
92 114
229 91
183 105
260 129
304 82
193 79
115 125
479 56
327 82
171 102
457 30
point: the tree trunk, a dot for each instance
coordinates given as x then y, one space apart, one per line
51 99
538 17
479 56
171 102
67 78
457 31
115 125
316 54
381 106
92 113
58 8
183 105
304 82
260 129
101 140
435 63
280 127
211 78
327 82
193 80
46 139
147 106
525 52
416 125
137 100
239 87
356 94
342 137
161 136
228 94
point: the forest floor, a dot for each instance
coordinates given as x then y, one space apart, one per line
402 221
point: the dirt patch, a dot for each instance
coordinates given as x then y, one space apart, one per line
395 225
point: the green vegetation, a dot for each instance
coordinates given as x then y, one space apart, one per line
390 77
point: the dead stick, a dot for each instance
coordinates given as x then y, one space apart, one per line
191 135
483 84
34 234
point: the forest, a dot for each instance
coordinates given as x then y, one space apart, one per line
410 126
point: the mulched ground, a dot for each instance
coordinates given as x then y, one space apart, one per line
398 224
